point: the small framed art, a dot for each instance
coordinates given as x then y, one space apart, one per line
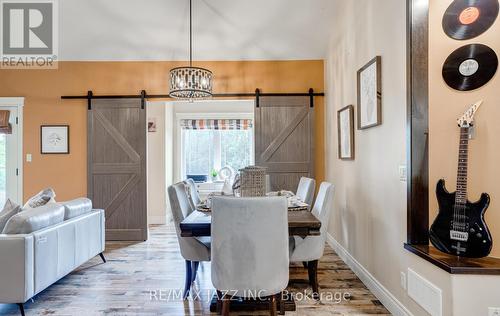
345 123
54 139
370 94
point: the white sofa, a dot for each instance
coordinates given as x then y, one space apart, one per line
31 262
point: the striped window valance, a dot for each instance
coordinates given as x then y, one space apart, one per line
241 124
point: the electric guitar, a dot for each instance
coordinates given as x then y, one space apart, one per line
459 228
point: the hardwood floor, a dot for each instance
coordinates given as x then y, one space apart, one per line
139 278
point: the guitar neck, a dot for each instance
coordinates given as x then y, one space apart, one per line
463 156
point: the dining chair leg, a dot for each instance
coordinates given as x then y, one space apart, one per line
282 305
313 277
218 308
226 305
273 306
21 308
194 266
187 284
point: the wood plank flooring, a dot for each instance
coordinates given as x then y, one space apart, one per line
143 279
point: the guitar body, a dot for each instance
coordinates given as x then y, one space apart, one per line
478 243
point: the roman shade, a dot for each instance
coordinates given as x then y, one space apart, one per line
218 124
5 127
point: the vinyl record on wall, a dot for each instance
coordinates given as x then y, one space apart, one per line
466 19
470 67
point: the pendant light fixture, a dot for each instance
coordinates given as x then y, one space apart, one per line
190 83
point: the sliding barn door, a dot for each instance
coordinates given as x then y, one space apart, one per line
117 166
284 129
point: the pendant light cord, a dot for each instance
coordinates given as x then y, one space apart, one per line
190 34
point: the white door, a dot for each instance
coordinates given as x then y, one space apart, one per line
10 159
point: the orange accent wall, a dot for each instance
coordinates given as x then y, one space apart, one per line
445 106
42 90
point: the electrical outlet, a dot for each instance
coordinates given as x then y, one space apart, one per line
494 311
403 281
402 173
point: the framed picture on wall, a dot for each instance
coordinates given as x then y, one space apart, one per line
345 124
54 139
152 125
370 94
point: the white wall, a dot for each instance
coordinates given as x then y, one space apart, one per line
157 192
368 225
369 217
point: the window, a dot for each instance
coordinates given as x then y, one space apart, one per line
3 168
213 144
10 151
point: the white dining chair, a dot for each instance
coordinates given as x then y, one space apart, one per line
193 250
250 255
310 249
193 192
305 190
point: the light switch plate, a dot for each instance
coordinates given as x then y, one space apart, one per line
493 311
402 173
28 157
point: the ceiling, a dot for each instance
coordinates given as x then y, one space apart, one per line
222 29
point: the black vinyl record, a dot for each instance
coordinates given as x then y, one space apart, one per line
470 67
466 19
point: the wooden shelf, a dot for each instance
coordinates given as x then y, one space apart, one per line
454 264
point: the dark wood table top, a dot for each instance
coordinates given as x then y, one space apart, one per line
300 223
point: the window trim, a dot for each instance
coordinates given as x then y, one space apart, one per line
17 102
179 157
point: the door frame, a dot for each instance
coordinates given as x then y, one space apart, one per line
417 122
17 102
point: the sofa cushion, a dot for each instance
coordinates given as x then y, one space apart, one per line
34 219
10 209
41 198
76 207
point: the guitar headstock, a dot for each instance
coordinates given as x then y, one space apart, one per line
467 119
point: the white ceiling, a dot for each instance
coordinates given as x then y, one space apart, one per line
223 29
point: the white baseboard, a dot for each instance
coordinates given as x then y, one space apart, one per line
390 302
157 220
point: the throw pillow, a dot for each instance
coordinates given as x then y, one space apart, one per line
10 209
41 198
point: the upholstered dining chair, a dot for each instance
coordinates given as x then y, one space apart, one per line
250 248
310 249
193 192
193 250
305 190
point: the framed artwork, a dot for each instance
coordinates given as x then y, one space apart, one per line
54 139
370 94
345 124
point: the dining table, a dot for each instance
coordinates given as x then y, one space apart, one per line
301 222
